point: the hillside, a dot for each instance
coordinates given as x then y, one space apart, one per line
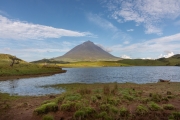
87 51
171 61
21 69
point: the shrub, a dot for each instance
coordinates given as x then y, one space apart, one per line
114 110
124 112
79 114
45 108
88 111
78 106
156 97
105 107
141 110
145 100
48 117
128 97
94 98
103 115
59 99
175 116
168 107
154 107
65 107
73 97
112 101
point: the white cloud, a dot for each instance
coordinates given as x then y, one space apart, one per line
130 30
18 30
102 22
153 46
150 13
105 48
148 58
106 25
126 57
167 55
126 42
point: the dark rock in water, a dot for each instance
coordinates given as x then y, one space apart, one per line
161 80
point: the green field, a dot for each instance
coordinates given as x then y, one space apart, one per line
172 61
22 68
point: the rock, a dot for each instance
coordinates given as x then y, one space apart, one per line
161 80
52 96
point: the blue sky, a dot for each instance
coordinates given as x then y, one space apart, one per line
36 29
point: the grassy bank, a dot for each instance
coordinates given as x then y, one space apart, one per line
24 69
114 101
93 64
111 101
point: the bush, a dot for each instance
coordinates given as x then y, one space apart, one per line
48 117
156 97
73 97
128 97
45 108
168 107
154 107
124 112
141 110
79 114
175 116
94 99
105 107
114 110
65 107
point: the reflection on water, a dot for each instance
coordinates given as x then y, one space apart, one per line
31 86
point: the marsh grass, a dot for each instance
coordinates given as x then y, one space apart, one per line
168 107
175 116
45 108
104 104
141 110
154 107
48 117
106 90
124 112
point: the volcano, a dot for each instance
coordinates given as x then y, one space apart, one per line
87 51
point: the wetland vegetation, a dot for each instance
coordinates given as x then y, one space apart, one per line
110 101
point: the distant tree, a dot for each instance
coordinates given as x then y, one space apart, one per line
14 59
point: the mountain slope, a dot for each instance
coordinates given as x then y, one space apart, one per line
86 51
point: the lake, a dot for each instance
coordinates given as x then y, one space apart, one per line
140 75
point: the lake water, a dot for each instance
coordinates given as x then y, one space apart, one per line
33 86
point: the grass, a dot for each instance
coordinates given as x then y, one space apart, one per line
175 116
45 108
24 68
154 107
172 61
48 117
97 101
168 107
141 110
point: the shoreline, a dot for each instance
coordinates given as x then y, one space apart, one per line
4 78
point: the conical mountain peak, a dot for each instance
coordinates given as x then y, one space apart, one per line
87 51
